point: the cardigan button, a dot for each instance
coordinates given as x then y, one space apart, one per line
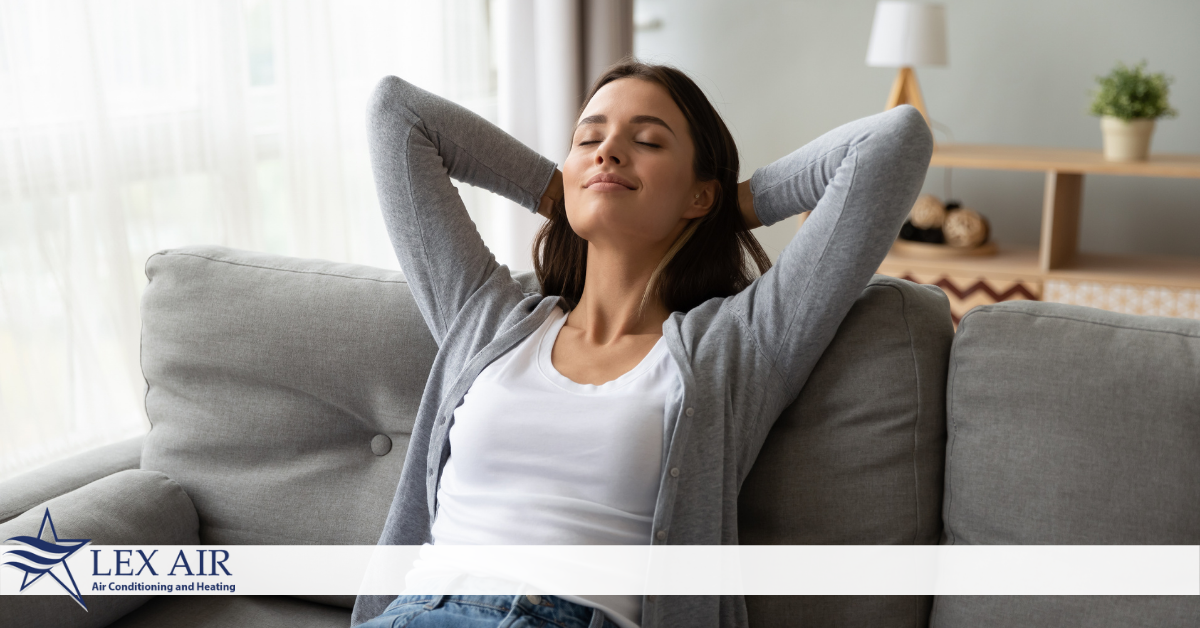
689 412
381 445
675 472
662 535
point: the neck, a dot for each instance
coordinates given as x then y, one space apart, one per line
612 294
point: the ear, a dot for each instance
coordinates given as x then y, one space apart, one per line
704 198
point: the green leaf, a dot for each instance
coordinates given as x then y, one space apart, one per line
1129 93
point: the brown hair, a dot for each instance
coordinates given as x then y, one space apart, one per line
709 258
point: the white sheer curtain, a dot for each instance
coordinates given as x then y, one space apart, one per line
127 127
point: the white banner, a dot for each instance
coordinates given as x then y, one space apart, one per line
82 570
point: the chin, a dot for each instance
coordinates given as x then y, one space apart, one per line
610 221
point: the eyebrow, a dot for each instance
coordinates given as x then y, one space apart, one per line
642 119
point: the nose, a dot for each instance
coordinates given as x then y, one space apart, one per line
608 150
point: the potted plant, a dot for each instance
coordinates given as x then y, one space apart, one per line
1128 102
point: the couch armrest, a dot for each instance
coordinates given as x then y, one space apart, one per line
132 507
29 489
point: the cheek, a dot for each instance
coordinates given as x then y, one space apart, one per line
669 190
573 169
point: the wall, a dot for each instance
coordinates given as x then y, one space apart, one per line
1020 72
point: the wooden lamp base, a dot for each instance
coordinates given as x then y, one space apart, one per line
905 91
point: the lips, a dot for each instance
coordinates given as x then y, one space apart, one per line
607 180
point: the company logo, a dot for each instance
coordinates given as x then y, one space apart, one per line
42 557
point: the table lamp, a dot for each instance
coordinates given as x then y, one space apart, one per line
903 35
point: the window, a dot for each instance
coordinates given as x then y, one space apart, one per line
131 126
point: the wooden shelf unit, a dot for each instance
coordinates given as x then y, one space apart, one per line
1057 263
1001 157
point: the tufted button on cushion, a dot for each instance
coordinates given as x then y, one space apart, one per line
381 444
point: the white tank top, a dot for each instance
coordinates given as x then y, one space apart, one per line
538 459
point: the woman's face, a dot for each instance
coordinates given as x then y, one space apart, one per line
632 129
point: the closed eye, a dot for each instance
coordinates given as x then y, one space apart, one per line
597 142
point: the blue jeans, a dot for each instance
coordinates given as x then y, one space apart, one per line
487 611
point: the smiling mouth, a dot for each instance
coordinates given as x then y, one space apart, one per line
609 186
608 182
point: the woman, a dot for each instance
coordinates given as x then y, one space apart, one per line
626 402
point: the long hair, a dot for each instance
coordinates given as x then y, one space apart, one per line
709 257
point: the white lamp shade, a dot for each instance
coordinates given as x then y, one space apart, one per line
907 34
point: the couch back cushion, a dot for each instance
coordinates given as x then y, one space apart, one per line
281 391
858 458
1071 425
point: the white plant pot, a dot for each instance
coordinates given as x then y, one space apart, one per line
1126 141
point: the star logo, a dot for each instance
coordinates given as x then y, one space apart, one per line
44 557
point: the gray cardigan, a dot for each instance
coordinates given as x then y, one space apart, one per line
743 358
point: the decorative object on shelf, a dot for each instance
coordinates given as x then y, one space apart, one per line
932 235
965 228
937 230
928 212
1128 103
903 35
926 251
924 223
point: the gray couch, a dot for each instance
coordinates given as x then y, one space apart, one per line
282 391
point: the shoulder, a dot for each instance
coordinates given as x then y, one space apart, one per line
527 281
713 330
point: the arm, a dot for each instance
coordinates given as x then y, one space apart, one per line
419 141
46 482
554 193
132 507
859 180
746 204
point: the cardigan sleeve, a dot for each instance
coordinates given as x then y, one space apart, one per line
859 180
418 141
